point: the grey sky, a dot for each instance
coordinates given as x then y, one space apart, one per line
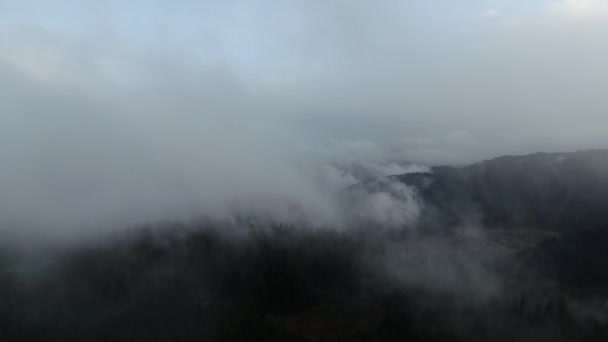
130 111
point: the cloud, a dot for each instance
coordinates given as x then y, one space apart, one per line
491 13
110 139
581 9
101 125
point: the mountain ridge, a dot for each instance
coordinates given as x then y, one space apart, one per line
547 191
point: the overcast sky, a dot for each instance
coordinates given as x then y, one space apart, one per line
127 108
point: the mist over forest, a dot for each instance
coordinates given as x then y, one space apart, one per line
303 170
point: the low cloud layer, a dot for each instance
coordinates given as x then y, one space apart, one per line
151 112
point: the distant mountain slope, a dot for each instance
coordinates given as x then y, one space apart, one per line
549 191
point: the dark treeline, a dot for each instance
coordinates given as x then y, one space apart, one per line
266 284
